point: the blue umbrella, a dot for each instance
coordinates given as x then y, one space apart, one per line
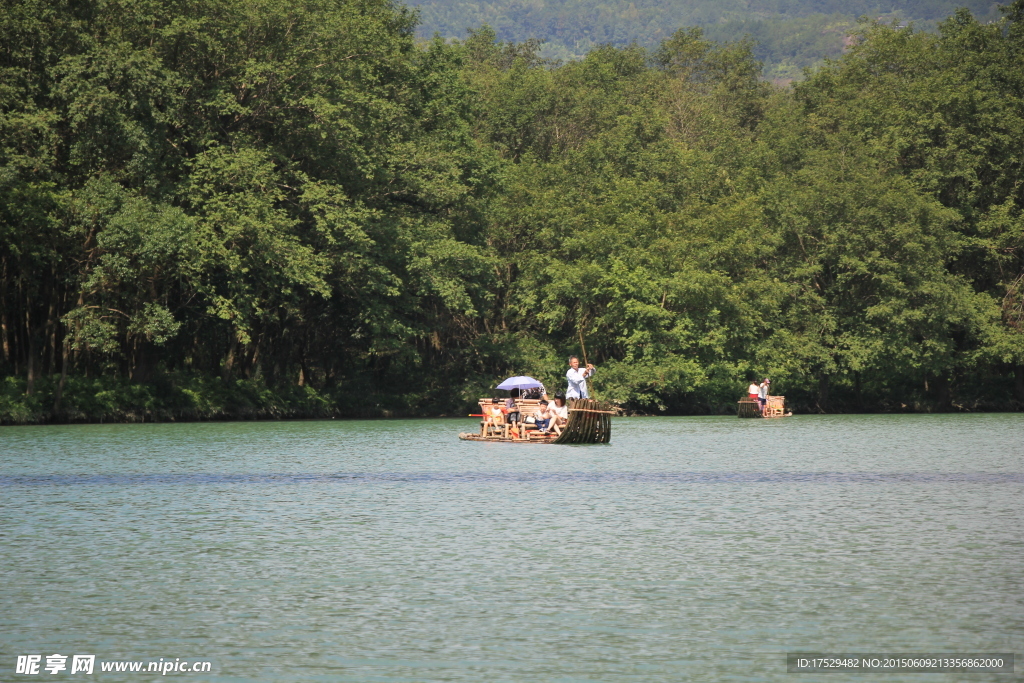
520 382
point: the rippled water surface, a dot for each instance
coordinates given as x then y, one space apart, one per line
687 549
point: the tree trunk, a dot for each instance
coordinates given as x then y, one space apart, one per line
141 367
229 361
5 338
823 386
58 395
51 333
32 366
943 401
253 368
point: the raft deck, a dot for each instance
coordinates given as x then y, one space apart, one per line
589 422
774 407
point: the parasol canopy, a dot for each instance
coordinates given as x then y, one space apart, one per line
520 382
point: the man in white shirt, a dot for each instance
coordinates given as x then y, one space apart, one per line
578 379
763 392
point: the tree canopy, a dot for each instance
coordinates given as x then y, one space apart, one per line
295 208
787 35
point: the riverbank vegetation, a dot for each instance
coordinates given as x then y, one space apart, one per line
214 209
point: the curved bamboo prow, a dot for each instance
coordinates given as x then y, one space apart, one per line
589 421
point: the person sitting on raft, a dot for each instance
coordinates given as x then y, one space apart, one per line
536 392
543 416
511 409
578 379
752 390
559 414
493 416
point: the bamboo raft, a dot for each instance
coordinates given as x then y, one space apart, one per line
589 421
775 407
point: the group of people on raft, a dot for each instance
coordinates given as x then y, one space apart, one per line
760 392
551 415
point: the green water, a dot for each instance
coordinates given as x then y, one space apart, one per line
687 549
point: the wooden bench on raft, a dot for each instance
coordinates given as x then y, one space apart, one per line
528 407
589 422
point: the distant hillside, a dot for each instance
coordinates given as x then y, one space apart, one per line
790 34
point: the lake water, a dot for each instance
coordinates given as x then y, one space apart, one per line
687 549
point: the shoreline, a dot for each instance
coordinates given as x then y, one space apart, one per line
146 418
194 398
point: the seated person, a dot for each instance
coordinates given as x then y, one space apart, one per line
511 409
494 415
559 414
543 416
536 392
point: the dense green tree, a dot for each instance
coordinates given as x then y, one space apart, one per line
283 208
219 180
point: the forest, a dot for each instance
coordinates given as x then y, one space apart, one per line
787 35
212 209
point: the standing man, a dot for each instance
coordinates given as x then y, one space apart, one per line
578 379
763 392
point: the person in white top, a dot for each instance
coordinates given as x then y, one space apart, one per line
559 413
752 391
578 379
493 417
763 393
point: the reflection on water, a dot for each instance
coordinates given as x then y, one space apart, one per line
687 549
